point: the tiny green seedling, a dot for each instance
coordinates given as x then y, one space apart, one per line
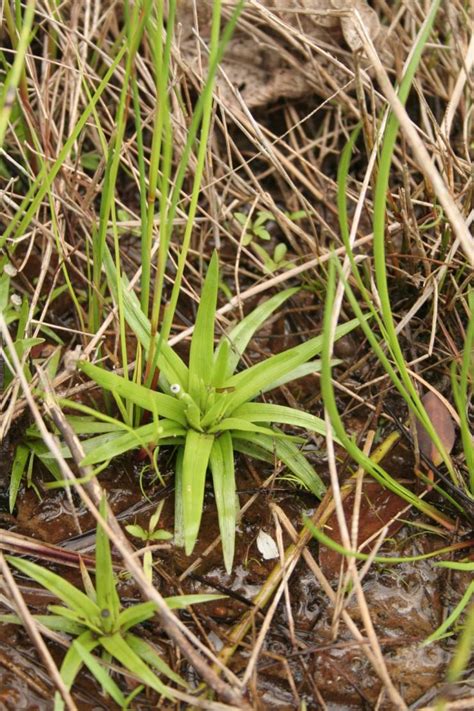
150 536
254 228
259 228
206 411
277 261
96 620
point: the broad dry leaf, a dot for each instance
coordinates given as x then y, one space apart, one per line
442 423
378 508
277 52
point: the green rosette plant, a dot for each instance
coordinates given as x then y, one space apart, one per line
207 410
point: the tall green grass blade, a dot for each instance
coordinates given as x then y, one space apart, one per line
463 651
201 119
451 619
161 152
223 477
22 453
463 390
379 219
330 404
168 361
32 200
12 80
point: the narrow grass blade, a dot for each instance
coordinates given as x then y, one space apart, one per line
202 342
168 361
180 602
443 628
197 450
223 477
314 366
330 404
463 651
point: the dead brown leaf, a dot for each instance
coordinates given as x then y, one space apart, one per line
278 52
442 423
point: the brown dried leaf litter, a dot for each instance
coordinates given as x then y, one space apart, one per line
281 49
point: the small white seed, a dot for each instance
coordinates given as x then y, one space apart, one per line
10 270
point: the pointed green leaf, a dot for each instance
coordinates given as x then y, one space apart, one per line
72 664
76 618
202 342
181 602
22 453
71 596
290 455
105 447
56 623
168 361
149 655
314 366
178 499
101 674
107 596
197 450
118 648
250 382
244 425
158 403
136 614
223 477
221 364
239 337
263 412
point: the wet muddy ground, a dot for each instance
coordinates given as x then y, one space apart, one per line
309 656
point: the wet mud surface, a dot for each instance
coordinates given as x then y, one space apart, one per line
308 655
